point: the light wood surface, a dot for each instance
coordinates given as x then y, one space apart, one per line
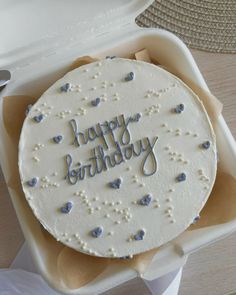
210 271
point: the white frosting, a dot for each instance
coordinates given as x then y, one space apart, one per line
154 93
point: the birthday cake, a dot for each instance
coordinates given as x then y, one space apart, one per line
116 158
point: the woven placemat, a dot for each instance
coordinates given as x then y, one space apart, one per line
207 25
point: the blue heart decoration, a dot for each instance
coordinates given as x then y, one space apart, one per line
95 102
206 145
97 232
136 117
140 235
145 200
196 219
110 57
66 87
126 257
32 182
115 183
129 77
38 118
57 139
67 207
179 109
28 108
181 177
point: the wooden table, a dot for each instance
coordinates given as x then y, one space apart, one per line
210 271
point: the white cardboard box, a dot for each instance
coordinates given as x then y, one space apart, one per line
48 36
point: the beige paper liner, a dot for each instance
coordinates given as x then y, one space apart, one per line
143 55
76 269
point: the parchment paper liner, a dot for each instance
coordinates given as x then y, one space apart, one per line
73 268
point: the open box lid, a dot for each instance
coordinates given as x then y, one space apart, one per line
33 27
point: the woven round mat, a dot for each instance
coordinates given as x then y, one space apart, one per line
207 25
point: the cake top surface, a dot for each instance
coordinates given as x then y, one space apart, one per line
117 157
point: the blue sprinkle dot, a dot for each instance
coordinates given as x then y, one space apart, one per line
38 118
206 144
66 87
179 108
129 77
57 139
181 177
97 232
95 102
145 201
67 207
32 182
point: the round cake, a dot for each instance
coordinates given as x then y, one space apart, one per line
117 157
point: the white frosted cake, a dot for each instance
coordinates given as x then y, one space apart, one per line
117 157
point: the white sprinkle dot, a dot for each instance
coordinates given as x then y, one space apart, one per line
36 159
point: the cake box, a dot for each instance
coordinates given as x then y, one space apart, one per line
41 53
